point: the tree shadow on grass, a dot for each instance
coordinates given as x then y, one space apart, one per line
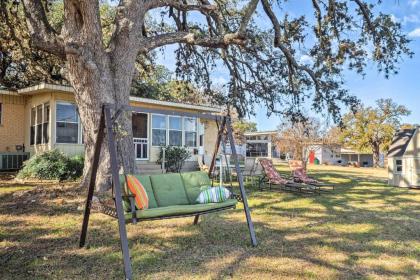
327 236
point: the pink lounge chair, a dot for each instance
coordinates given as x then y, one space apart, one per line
300 176
273 178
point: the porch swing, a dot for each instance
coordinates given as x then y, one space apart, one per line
124 207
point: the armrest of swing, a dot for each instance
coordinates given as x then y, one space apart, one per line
132 206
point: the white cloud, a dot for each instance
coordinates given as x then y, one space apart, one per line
410 19
415 33
219 80
413 3
306 59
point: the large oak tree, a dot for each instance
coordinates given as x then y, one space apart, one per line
264 63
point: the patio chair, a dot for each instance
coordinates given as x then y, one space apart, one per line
300 176
249 166
273 178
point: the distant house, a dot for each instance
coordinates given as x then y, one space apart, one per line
335 154
261 144
404 159
45 117
356 158
324 154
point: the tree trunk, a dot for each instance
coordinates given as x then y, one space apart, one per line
376 154
97 79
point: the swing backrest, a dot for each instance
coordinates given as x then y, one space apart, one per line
170 189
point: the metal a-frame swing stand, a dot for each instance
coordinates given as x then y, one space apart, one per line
106 128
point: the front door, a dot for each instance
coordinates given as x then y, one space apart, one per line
141 142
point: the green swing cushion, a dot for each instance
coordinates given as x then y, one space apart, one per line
175 210
195 183
169 189
145 181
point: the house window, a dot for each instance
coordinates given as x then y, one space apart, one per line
67 123
40 117
190 130
201 130
159 130
399 165
38 122
256 149
175 131
33 119
1 113
45 123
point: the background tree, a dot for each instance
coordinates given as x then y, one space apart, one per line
305 136
263 63
372 128
298 138
240 127
21 65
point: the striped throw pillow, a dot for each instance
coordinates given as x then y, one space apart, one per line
216 194
140 194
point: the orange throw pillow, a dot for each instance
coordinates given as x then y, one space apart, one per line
140 194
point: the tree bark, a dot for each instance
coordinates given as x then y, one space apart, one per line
97 79
376 154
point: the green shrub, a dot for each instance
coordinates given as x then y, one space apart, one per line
52 165
175 158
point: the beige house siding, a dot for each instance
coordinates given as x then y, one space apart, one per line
54 96
12 122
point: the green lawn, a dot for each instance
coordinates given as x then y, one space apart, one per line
363 230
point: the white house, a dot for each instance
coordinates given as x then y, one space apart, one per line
261 144
404 159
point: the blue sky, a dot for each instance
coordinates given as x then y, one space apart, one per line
403 88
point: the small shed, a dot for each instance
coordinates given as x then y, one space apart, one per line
404 159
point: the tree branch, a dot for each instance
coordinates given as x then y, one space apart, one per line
191 39
43 36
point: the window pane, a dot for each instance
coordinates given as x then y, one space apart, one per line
175 138
158 137
190 139
67 132
139 122
38 133
45 134
190 124
46 112
32 135
39 114
159 121
33 114
175 123
66 113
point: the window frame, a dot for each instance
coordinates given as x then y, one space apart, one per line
169 129
185 131
79 126
399 165
35 122
165 129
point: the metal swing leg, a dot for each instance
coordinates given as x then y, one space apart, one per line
118 195
196 219
241 183
94 172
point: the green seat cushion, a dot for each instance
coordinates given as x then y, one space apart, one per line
169 189
194 183
175 210
147 184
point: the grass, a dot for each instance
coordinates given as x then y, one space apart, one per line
364 230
